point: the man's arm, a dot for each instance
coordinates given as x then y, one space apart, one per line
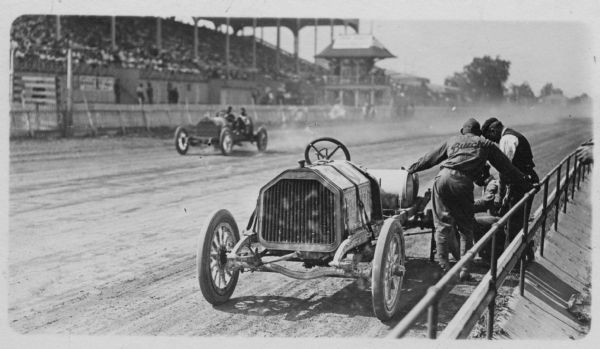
507 169
430 159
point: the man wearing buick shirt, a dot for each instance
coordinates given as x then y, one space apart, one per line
516 147
463 159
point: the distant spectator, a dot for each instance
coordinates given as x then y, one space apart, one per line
149 92
139 91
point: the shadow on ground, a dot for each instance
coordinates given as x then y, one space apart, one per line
351 300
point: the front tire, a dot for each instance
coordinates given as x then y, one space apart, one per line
226 141
182 143
218 237
389 267
262 138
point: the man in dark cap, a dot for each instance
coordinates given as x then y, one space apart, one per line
516 147
463 158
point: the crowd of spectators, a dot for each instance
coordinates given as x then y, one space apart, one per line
37 46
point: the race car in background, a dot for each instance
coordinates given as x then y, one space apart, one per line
223 131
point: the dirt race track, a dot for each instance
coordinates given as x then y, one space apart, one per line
103 233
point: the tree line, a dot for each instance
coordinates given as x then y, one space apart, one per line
483 80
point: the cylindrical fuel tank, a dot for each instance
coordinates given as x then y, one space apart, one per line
399 189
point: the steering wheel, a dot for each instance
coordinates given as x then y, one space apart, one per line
320 148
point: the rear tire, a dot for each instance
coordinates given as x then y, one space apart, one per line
389 267
226 141
262 138
218 237
182 143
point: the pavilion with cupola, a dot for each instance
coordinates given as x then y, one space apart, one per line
354 79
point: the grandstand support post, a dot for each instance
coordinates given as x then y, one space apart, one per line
331 25
227 49
113 31
58 31
159 33
316 27
68 118
89 115
254 42
277 63
297 46
195 19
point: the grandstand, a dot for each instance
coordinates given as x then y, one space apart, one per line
160 50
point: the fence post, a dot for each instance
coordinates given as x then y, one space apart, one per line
557 197
121 122
491 311
144 117
432 245
37 117
28 122
574 177
545 215
493 271
432 319
169 116
526 243
567 184
507 238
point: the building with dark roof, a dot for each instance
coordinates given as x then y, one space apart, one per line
354 78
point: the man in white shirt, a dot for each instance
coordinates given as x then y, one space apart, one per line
517 148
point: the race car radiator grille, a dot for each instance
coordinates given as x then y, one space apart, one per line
297 211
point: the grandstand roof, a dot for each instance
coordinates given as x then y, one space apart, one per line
355 46
238 23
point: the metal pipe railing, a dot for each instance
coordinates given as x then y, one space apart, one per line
430 302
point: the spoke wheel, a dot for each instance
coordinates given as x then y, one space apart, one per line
226 141
389 267
218 237
182 143
262 139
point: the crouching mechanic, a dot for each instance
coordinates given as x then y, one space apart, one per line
463 159
487 212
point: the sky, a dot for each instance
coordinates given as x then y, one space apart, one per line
540 52
545 41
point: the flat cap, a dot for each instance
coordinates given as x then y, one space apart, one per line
471 126
489 123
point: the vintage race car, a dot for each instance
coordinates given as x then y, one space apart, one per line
324 218
223 131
